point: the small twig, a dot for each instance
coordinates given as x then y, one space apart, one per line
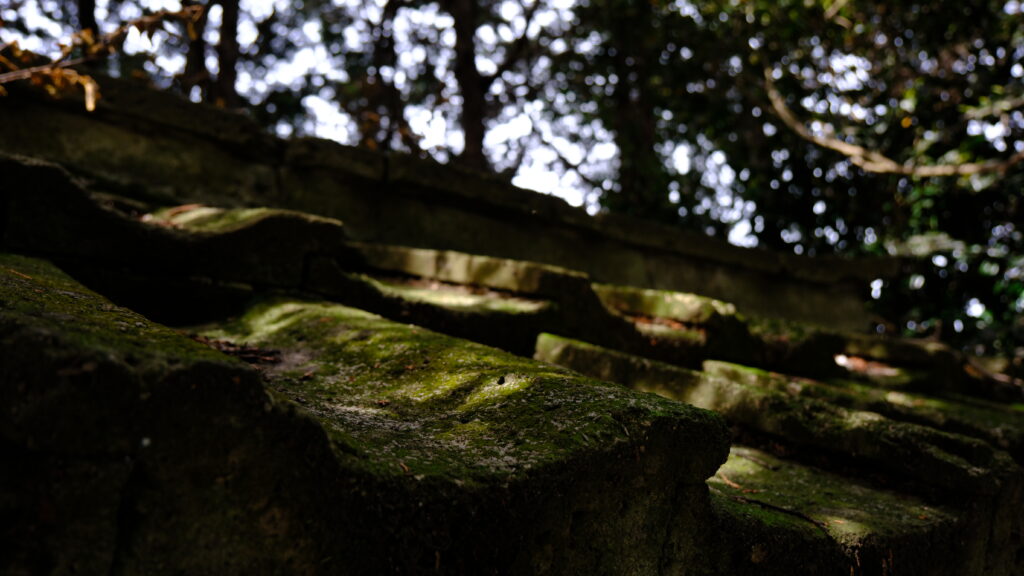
801 515
94 49
728 482
833 14
16 273
759 461
26 73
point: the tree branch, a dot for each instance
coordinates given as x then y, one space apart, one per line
97 48
876 162
569 164
995 109
833 14
57 73
26 73
515 50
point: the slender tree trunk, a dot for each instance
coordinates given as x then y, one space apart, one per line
471 84
642 176
196 73
87 24
87 17
227 56
387 99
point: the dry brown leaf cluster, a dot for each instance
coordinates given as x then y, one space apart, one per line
58 77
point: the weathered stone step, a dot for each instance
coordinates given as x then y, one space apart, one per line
680 327
1000 425
792 518
195 260
187 263
667 317
949 462
437 396
982 483
370 447
457 310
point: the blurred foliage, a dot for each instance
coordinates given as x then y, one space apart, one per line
661 109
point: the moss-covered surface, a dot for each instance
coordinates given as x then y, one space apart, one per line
878 531
452 309
773 407
52 214
380 447
996 423
851 512
36 292
419 401
716 330
762 541
85 387
982 483
507 459
679 320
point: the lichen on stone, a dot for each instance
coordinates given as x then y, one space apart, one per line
37 293
401 398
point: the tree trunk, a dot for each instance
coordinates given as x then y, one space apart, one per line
227 56
471 84
387 99
642 174
87 17
196 73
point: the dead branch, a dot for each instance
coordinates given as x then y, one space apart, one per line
876 162
26 73
57 75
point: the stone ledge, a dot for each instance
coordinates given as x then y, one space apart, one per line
166 150
979 483
370 447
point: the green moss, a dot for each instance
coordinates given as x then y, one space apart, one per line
773 406
780 330
746 374
36 292
400 398
766 518
980 419
850 512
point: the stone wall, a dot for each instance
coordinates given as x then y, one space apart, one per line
325 406
160 149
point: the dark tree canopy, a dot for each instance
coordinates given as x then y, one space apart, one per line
851 127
